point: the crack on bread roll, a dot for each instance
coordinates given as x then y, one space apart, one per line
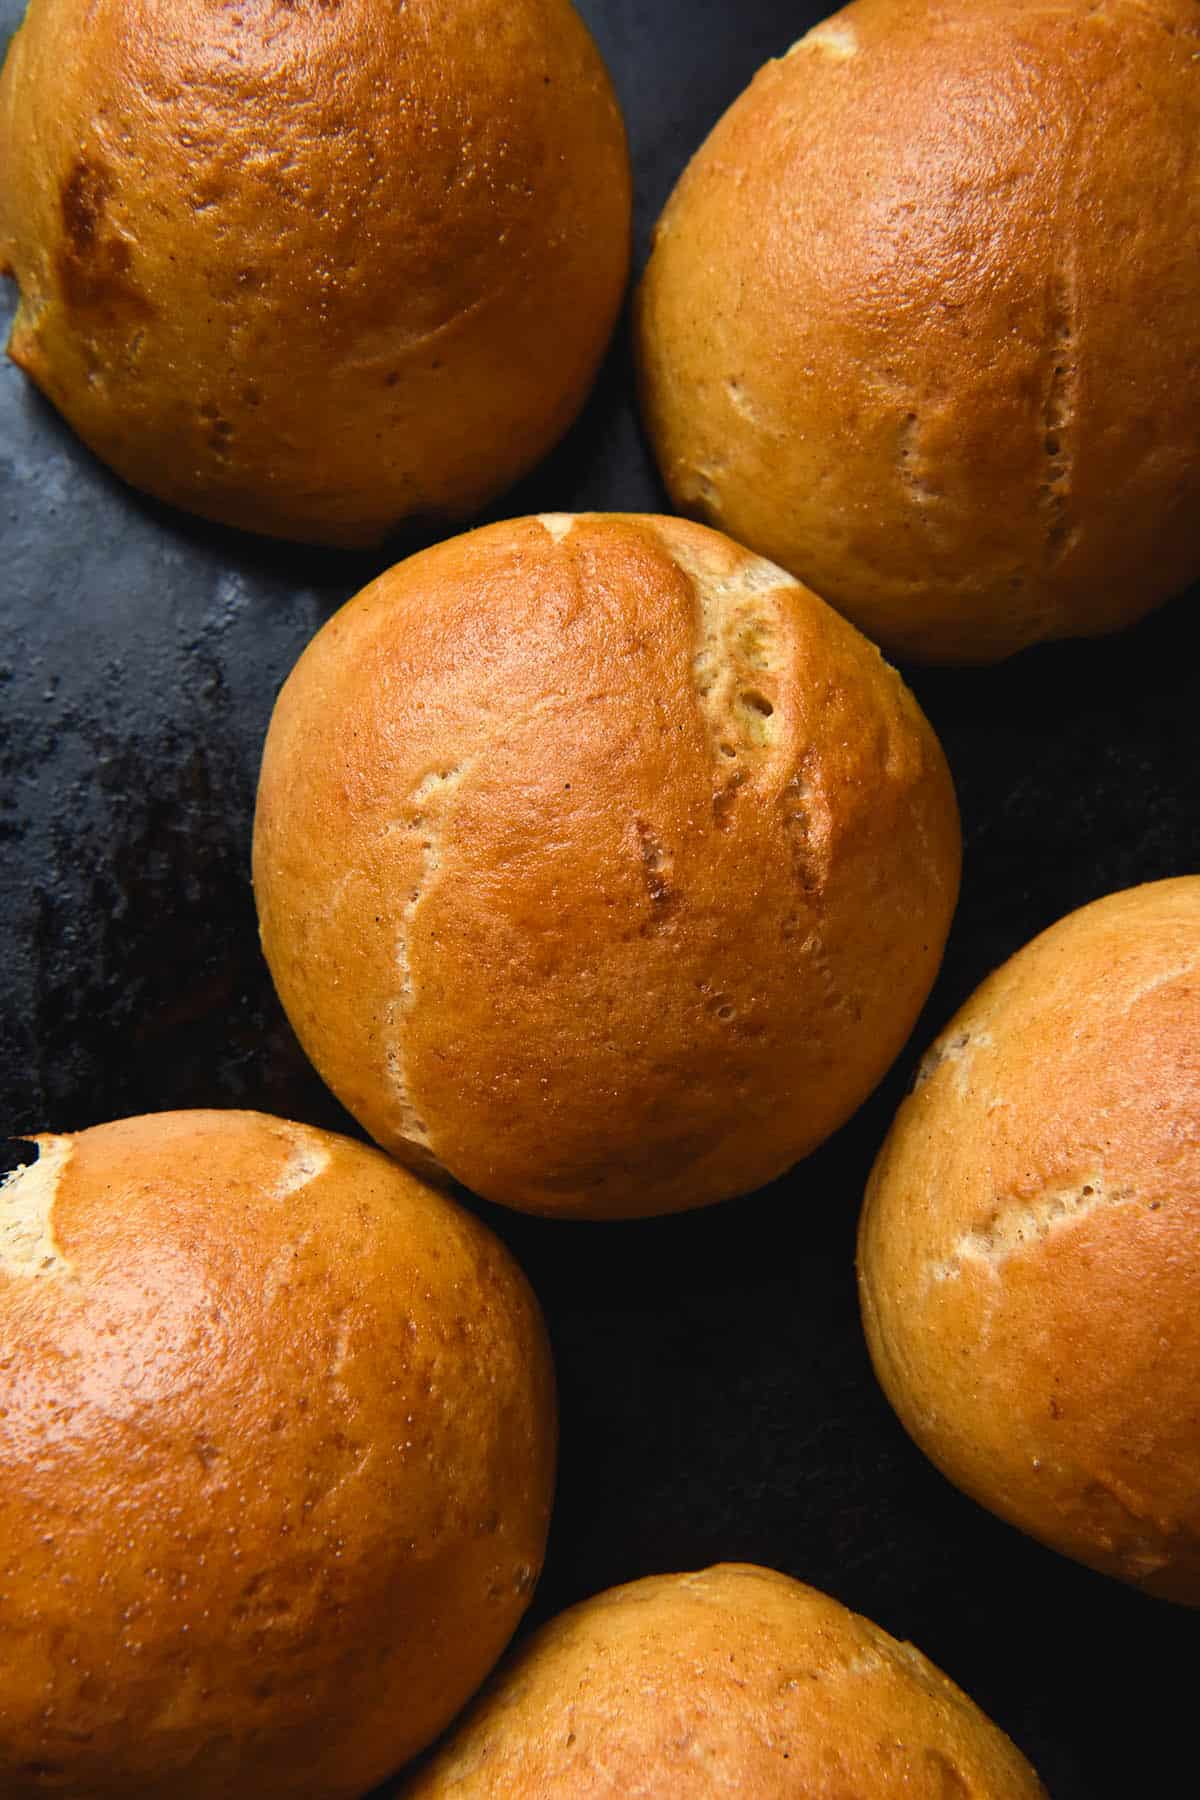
911 464
1015 1224
835 38
740 400
741 650
307 1158
832 997
658 865
1141 1544
427 815
1058 415
557 525
959 1051
28 1247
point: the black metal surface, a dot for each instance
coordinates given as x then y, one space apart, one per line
717 1401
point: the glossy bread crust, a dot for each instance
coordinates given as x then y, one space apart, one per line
313 269
732 1681
600 864
922 321
277 1432
1030 1247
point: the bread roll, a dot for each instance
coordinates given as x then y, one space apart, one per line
277 1432
922 321
733 1681
1030 1248
599 864
313 268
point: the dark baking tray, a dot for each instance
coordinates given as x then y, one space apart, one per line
717 1401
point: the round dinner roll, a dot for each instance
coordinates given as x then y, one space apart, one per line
922 319
735 1681
599 864
313 268
277 1442
1029 1255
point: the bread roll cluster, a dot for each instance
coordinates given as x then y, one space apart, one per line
602 864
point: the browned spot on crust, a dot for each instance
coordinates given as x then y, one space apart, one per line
84 197
93 271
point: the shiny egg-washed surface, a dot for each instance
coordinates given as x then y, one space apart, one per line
716 1393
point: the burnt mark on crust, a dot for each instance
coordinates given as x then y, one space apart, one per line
94 269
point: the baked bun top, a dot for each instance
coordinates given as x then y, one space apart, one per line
1030 1246
277 1431
735 1680
600 863
922 321
312 269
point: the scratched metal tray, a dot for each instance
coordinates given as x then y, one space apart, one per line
717 1401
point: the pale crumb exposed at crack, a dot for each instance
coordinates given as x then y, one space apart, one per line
1017 1224
697 1581
863 1662
741 646
425 816
741 402
833 37
957 1048
911 464
306 1159
27 1243
557 524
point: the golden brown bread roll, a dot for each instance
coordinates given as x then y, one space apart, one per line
600 864
1030 1248
922 321
277 1433
733 1681
311 269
